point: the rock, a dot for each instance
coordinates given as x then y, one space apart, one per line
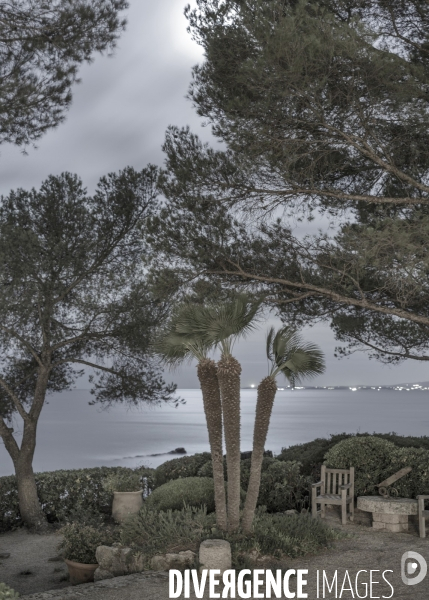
4 554
165 562
119 561
159 563
215 554
100 574
292 511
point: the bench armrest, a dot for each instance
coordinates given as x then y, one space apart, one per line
422 497
346 486
316 485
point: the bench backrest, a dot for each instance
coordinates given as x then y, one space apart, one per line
334 478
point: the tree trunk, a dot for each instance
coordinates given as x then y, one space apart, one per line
29 505
229 371
207 375
266 393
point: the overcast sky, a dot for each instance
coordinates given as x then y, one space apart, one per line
119 115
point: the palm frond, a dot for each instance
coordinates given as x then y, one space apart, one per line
214 324
292 356
194 329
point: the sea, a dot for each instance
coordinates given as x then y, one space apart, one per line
72 434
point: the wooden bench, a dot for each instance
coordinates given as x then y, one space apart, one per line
337 486
422 514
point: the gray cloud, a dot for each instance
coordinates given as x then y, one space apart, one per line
118 117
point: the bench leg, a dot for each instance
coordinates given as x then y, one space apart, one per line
323 510
313 504
344 513
422 523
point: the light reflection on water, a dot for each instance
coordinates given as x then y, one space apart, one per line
73 434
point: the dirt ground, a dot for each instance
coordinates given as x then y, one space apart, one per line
33 564
32 568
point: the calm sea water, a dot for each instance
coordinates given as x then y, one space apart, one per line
73 434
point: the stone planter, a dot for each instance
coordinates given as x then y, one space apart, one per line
80 572
388 514
126 504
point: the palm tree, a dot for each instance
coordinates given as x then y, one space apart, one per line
295 359
221 324
176 346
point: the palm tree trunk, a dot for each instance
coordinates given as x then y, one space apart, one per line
229 371
207 375
266 393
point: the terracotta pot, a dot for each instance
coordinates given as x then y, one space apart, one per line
80 572
126 504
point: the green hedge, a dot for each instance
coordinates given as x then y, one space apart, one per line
311 454
64 494
376 459
186 466
371 457
190 491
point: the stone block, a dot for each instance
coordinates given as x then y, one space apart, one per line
159 563
385 518
180 561
396 527
100 574
119 561
378 525
215 554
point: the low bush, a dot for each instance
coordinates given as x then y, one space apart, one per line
371 457
65 494
192 491
7 593
280 536
284 536
81 541
311 454
186 466
123 481
152 532
376 459
416 482
283 487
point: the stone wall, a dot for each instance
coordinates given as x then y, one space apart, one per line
115 561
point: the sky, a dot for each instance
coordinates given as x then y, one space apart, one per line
118 117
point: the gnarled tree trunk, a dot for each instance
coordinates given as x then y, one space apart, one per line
229 371
266 393
207 375
22 457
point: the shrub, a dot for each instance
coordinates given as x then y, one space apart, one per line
281 536
284 488
286 535
416 482
65 494
123 481
311 454
7 593
186 466
371 456
192 491
152 532
81 541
